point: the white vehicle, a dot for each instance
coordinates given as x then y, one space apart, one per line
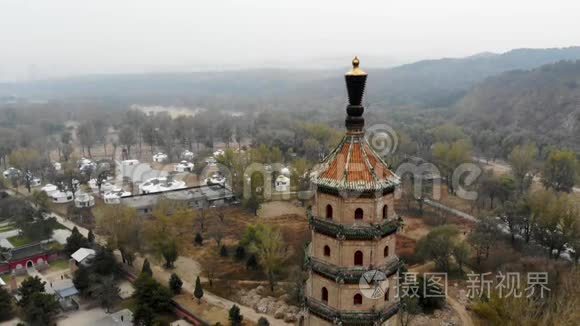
282 183
211 161
160 157
216 179
35 182
49 189
57 166
11 172
183 166
59 197
84 200
219 152
85 163
160 184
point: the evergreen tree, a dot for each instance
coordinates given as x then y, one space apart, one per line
144 316
41 309
224 251
91 237
169 253
146 269
151 298
198 292
75 241
6 309
236 317
175 283
252 262
106 292
263 322
198 239
28 287
82 280
105 263
240 252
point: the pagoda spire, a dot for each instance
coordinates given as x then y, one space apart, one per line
355 85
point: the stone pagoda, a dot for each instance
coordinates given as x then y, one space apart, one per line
353 225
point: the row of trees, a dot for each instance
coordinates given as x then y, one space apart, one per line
35 305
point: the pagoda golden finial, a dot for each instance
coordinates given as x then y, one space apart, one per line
356 71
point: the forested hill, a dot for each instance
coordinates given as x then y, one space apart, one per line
541 105
430 83
439 83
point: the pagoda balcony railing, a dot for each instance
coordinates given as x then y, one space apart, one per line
351 318
354 232
350 275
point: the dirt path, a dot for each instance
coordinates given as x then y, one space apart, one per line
277 208
453 303
461 312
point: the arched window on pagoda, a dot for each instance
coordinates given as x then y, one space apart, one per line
324 295
358 214
357 300
358 258
329 212
386 251
387 294
327 251
385 212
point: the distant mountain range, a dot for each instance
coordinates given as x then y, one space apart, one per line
435 83
540 105
428 83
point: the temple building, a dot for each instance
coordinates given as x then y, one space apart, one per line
353 225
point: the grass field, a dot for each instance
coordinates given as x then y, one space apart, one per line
59 264
19 241
7 227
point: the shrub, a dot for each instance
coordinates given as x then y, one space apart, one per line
224 251
198 239
240 253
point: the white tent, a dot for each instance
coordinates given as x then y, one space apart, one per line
11 172
183 166
160 184
59 197
282 183
285 171
105 186
114 197
35 182
85 163
216 179
84 200
160 157
187 155
49 188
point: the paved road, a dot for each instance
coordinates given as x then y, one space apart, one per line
451 210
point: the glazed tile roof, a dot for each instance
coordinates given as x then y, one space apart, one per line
354 166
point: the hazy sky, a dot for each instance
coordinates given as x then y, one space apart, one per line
52 38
